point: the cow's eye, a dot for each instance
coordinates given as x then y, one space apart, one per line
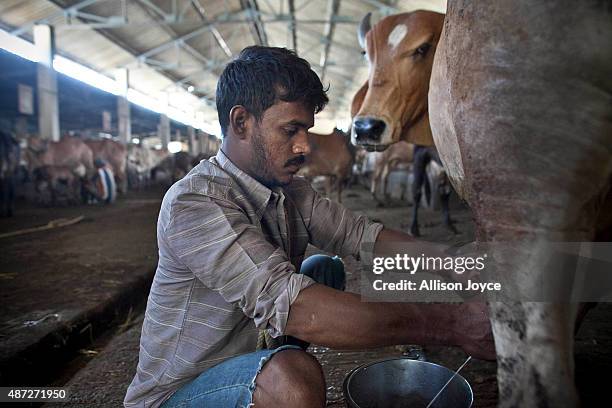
422 50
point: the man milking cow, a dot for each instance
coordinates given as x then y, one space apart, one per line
232 236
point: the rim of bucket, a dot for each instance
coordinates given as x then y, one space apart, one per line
347 379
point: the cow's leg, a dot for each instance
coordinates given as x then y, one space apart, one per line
404 189
418 179
122 183
53 192
374 182
427 185
444 191
385 181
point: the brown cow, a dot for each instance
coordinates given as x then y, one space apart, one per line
115 154
70 152
173 167
60 182
521 114
332 156
380 107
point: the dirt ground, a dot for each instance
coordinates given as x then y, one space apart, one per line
54 281
79 267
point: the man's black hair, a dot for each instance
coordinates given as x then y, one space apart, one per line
261 76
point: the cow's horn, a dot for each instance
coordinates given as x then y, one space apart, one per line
364 27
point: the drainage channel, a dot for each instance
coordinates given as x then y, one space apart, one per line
54 360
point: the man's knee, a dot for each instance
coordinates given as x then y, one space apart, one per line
325 270
291 378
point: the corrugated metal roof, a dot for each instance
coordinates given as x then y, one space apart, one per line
146 41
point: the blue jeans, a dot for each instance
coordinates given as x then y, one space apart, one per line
232 382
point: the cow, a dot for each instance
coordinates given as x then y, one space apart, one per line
47 163
9 163
519 104
364 113
332 156
139 165
69 151
183 163
158 156
197 159
396 156
115 154
57 185
173 167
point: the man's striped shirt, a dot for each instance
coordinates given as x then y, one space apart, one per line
229 248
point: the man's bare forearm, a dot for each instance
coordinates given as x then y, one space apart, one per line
337 319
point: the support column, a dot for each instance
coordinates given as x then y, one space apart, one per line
124 120
193 145
48 111
203 136
164 130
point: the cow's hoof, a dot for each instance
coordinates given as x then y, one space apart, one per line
414 231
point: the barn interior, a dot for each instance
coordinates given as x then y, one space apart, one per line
75 275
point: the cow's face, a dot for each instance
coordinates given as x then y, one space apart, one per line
393 103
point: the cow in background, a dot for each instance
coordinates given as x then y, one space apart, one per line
115 154
331 156
202 156
173 167
69 151
379 101
48 163
183 163
139 165
9 163
58 185
396 156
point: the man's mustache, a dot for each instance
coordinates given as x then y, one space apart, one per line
296 161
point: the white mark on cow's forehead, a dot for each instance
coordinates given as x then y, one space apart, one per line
397 35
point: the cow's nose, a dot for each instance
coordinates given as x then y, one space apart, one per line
369 128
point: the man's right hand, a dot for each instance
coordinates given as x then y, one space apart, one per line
332 318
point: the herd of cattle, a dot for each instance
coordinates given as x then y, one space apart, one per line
56 172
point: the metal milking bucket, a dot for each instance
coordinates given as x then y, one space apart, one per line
405 383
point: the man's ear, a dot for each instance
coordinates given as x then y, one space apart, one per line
240 121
